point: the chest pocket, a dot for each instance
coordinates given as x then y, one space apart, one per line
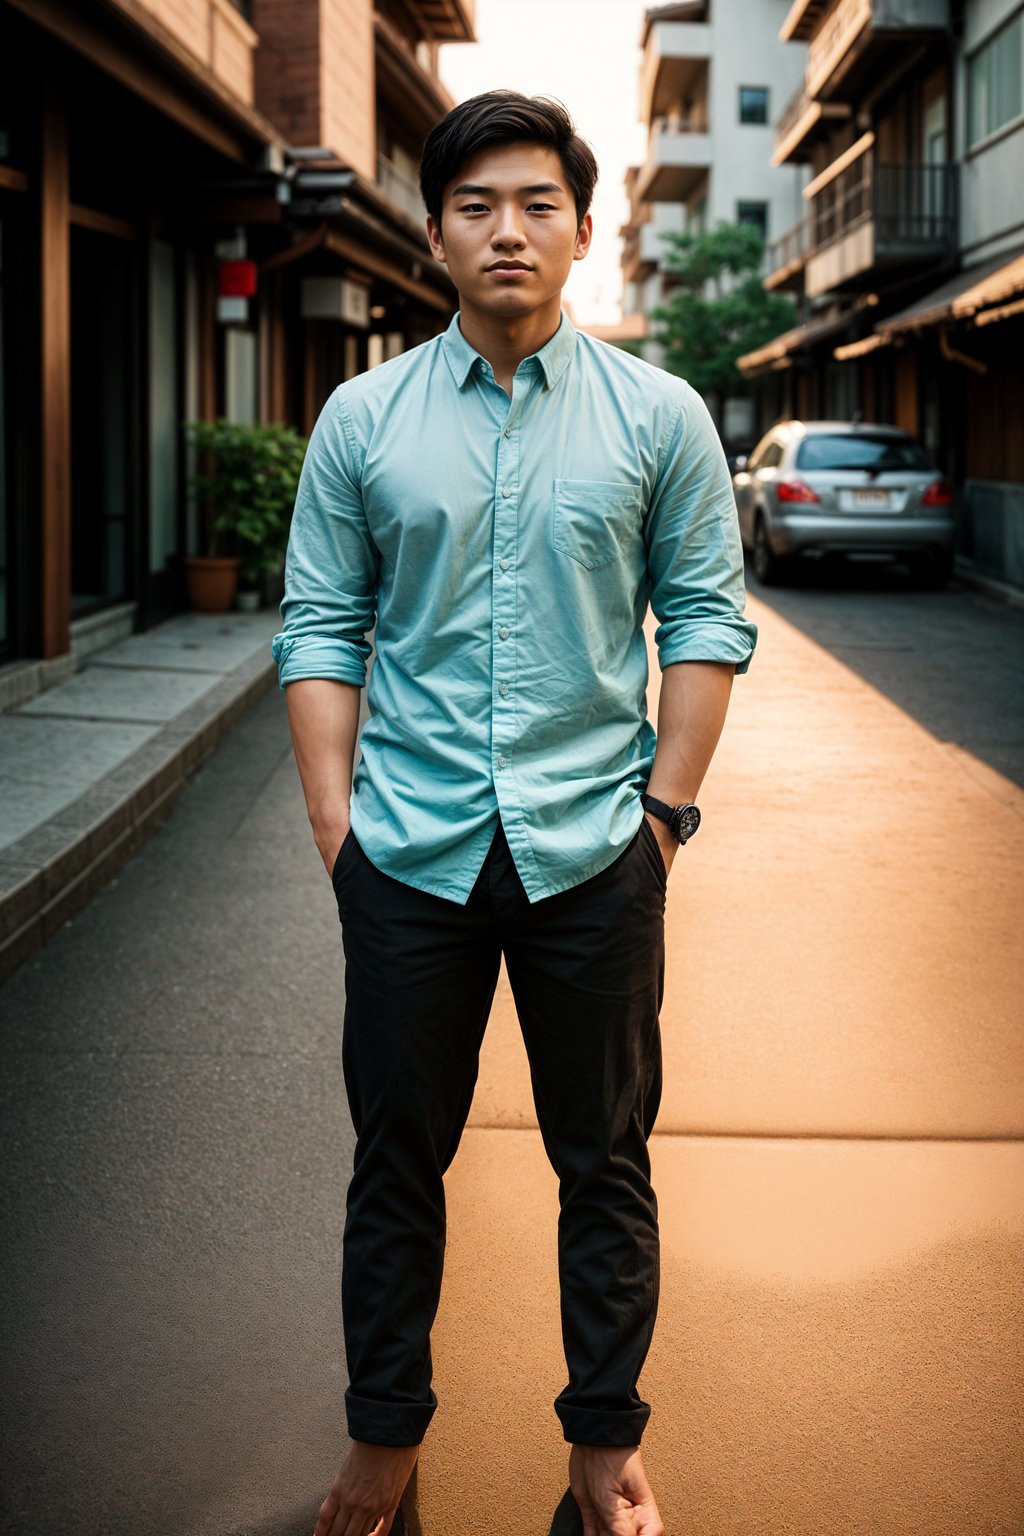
595 521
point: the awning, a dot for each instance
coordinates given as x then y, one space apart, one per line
776 354
996 289
860 348
963 296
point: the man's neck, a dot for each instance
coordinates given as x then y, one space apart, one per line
505 342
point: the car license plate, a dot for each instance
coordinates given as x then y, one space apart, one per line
871 498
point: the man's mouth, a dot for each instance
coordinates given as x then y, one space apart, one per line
509 266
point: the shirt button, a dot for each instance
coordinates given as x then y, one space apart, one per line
508 431
505 491
502 762
505 564
503 633
503 688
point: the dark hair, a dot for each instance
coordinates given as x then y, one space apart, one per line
505 117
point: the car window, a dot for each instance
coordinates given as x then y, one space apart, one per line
860 450
754 461
773 453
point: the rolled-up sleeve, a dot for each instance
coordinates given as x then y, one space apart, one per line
695 559
331 566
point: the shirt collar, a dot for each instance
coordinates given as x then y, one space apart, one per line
553 358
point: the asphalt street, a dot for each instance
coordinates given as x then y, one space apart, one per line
175 1155
176 1142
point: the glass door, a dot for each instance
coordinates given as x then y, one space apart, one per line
102 462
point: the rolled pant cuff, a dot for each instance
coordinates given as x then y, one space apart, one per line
594 1426
380 1423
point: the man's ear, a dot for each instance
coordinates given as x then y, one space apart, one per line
583 238
436 242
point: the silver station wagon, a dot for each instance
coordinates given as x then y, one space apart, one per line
820 488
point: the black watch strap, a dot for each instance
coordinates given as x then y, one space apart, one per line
681 820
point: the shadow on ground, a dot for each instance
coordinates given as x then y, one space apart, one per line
950 659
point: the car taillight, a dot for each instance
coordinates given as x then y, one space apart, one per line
938 494
794 490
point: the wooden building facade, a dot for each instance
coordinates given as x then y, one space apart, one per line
207 207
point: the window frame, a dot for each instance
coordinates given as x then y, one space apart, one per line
745 202
986 49
755 122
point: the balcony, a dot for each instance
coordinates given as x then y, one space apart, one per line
866 218
446 21
674 68
678 157
786 259
634 267
802 123
407 90
851 40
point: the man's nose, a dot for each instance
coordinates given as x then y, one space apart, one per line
509 228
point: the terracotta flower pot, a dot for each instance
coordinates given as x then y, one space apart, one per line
211 582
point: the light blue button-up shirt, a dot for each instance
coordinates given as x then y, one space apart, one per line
507 551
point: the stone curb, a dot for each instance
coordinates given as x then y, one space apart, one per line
53 871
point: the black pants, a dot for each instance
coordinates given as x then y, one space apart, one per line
586 968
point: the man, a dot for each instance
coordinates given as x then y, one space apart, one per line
504 501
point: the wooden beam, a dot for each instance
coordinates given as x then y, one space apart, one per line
55 405
12 180
208 339
132 69
369 262
102 223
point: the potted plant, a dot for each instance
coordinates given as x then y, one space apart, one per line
245 487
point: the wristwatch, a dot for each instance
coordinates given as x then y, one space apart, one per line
681 820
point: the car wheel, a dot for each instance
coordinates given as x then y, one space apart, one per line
932 572
769 568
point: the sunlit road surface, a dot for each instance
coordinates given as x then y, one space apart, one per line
837 1352
838 1156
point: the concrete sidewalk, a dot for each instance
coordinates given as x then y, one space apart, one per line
91 766
838 1158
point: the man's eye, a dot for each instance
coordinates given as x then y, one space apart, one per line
544 207
473 208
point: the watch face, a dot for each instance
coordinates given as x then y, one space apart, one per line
687 820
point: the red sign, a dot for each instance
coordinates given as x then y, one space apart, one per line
237 280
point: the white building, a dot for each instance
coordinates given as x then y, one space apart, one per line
714 78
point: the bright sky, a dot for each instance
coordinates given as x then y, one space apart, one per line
587 53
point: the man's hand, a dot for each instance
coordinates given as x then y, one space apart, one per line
365 1495
666 842
329 837
611 1488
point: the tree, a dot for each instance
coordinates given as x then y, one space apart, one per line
718 311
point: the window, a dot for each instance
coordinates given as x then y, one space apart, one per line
995 76
861 451
753 103
772 457
756 214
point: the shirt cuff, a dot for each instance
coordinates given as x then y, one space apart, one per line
299 656
709 642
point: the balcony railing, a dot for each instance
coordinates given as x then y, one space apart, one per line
795 128
796 107
910 205
789 248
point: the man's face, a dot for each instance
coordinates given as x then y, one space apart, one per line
509 233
